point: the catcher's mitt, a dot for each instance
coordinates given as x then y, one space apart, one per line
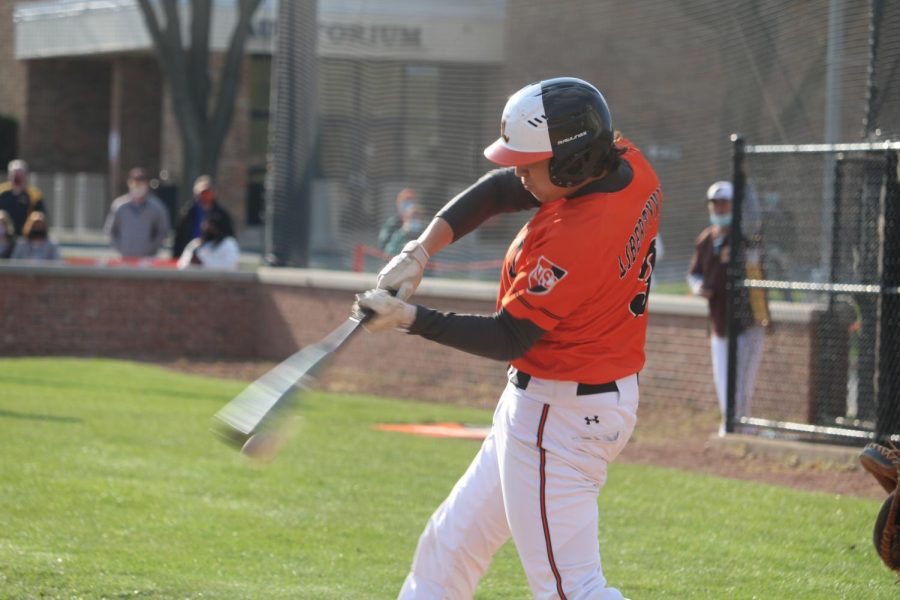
883 463
886 535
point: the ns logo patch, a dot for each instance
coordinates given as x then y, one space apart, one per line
544 276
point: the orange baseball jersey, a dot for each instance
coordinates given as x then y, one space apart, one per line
580 269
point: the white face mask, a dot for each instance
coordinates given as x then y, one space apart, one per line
139 190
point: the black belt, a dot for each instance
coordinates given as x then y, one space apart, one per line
520 379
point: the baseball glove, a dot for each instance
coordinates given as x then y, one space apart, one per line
886 535
883 463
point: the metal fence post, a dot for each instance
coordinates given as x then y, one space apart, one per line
887 419
292 135
735 277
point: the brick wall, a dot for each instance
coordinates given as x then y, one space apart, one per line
269 314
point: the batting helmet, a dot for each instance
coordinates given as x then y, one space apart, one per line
564 119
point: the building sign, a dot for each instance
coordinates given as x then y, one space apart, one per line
415 38
463 32
334 33
375 36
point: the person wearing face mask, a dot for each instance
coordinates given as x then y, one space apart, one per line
412 224
707 278
216 248
205 204
406 200
7 235
35 244
17 198
138 221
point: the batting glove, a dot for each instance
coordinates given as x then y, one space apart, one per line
404 272
389 312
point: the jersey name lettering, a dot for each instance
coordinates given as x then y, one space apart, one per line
636 239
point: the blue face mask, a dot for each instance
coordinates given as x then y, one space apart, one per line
720 220
416 226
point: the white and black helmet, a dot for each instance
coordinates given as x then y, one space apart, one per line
565 119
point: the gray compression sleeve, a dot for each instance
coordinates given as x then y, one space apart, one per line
496 192
499 336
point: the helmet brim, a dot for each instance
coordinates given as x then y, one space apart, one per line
501 154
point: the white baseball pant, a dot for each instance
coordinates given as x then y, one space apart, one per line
536 478
749 353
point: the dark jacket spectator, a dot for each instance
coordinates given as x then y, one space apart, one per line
17 198
191 225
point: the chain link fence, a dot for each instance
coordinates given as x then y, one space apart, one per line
398 108
820 239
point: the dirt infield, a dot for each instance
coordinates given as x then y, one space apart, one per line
665 437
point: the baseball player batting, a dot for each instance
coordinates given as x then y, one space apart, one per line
571 320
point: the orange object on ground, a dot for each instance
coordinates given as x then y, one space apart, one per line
439 430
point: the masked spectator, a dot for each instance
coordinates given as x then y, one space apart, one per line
17 198
412 224
35 243
707 278
407 201
205 204
216 248
138 221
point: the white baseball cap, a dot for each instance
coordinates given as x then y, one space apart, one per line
720 190
17 165
524 137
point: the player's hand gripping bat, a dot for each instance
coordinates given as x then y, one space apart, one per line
248 421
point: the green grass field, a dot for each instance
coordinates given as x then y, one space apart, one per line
112 487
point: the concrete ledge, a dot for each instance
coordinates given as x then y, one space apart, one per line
27 268
431 287
790 452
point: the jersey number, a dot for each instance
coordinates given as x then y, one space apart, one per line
639 303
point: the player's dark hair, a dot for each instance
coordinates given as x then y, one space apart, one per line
614 156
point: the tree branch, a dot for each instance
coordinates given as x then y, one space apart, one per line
198 55
169 51
156 34
231 76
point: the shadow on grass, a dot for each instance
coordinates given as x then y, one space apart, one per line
10 414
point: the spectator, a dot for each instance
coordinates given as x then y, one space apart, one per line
7 235
17 198
406 200
35 245
205 204
707 279
216 248
138 221
412 224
